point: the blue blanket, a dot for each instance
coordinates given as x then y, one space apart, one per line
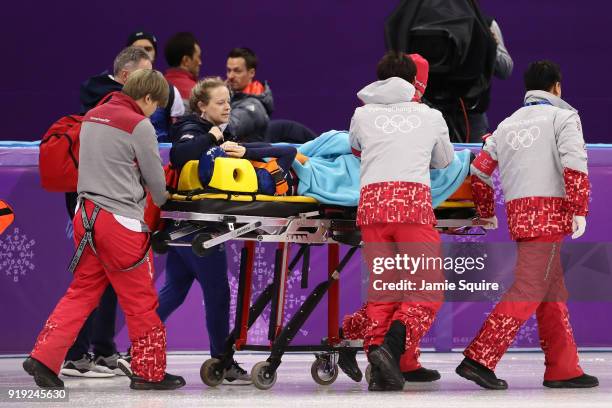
331 175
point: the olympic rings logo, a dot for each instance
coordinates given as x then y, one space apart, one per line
397 123
523 138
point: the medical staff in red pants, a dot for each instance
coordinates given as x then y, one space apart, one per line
542 161
354 326
398 140
118 158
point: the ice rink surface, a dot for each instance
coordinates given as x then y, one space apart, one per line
295 388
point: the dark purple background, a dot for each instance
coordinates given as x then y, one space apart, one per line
315 54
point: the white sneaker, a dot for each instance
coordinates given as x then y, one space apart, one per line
85 367
125 365
110 363
236 375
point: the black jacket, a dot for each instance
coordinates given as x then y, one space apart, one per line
250 115
190 139
96 88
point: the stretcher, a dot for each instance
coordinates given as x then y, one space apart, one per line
203 219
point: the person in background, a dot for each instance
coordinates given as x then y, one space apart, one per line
97 87
162 118
144 40
252 102
477 117
184 57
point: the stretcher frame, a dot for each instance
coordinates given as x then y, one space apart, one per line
306 229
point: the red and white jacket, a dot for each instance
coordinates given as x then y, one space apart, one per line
542 162
398 142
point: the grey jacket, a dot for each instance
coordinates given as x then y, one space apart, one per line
250 115
399 140
534 145
118 157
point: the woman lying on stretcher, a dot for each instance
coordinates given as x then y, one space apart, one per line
204 136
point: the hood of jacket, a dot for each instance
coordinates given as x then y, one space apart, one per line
538 96
390 91
96 88
264 97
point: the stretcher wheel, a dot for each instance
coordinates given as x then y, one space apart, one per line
159 242
212 373
368 373
323 371
262 376
196 244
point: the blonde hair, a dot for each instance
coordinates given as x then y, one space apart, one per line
201 92
143 82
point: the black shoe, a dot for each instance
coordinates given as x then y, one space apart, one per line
43 376
388 368
421 375
584 381
481 375
170 382
347 361
376 383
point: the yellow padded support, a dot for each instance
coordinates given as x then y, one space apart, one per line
189 179
228 174
456 204
234 175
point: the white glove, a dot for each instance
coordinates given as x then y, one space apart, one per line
578 226
490 223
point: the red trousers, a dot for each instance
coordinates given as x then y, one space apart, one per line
538 287
117 248
417 315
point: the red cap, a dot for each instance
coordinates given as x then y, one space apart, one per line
422 74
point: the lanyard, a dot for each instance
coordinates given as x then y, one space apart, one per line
538 103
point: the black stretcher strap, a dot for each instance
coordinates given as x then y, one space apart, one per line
250 208
305 268
282 341
297 256
211 190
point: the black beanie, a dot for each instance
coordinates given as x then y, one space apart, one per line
142 35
